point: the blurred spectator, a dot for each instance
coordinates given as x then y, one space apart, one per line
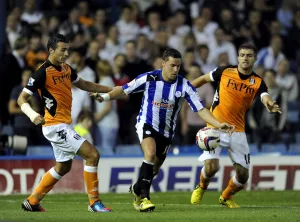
203 54
11 68
161 39
100 25
21 123
84 124
157 63
31 15
267 8
146 50
72 25
270 56
106 116
229 24
85 16
153 25
80 102
128 28
267 127
13 29
293 38
223 59
285 15
182 27
287 81
160 6
189 42
220 45
36 52
211 26
202 36
92 57
190 121
120 79
112 45
188 60
260 70
77 62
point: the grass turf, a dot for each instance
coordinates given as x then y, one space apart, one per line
171 206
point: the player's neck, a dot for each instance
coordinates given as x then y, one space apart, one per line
53 61
245 71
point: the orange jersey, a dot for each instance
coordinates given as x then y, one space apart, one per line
234 95
53 84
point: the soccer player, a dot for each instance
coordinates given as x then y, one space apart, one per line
53 82
236 90
164 93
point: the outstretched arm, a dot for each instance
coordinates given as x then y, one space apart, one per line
271 105
200 81
91 87
116 93
206 115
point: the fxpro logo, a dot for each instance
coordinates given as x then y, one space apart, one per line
61 78
240 87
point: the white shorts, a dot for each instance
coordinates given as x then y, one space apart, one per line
237 148
64 140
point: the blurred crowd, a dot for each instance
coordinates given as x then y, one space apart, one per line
114 41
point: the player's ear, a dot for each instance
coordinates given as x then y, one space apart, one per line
51 51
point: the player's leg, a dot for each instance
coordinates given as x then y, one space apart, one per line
240 156
210 168
48 181
91 155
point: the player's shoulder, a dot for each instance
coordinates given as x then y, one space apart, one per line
228 68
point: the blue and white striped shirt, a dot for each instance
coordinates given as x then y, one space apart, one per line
162 101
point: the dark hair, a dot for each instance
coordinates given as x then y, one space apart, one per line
248 46
171 53
203 46
20 43
54 39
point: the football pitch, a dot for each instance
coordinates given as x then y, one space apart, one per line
171 206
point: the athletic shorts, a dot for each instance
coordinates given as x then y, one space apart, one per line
64 140
162 143
236 145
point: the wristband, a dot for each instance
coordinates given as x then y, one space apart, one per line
106 97
26 108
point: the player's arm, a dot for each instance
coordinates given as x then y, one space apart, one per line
207 116
36 81
135 86
213 76
35 117
201 80
91 87
267 100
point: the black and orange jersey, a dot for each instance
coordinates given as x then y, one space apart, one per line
53 84
234 95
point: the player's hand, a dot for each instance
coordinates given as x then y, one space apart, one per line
96 96
273 107
227 128
39 120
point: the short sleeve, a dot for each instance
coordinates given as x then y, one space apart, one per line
74 76
36 81
263 89
136 85
193 98
216 74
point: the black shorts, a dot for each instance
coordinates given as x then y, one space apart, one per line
162 143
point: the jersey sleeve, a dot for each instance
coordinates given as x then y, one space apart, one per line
263 89
216 74
136 85
36 81
193 98
74 76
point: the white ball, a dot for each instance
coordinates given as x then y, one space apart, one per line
208 139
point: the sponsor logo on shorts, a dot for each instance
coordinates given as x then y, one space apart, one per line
76 136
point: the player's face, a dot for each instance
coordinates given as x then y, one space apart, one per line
246 58
171 68
60 54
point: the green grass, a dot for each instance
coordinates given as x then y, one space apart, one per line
172 206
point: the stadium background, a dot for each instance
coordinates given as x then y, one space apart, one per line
199 29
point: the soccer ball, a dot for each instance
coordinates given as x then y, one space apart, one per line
208 139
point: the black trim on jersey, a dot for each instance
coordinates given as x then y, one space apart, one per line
49 101
262 88
37 79
219 71
73 74
153 77
216 102
48 63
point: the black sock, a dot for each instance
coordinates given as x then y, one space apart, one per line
144 181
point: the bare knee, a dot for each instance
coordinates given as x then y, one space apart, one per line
93 158
211 167
62 168
242 174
